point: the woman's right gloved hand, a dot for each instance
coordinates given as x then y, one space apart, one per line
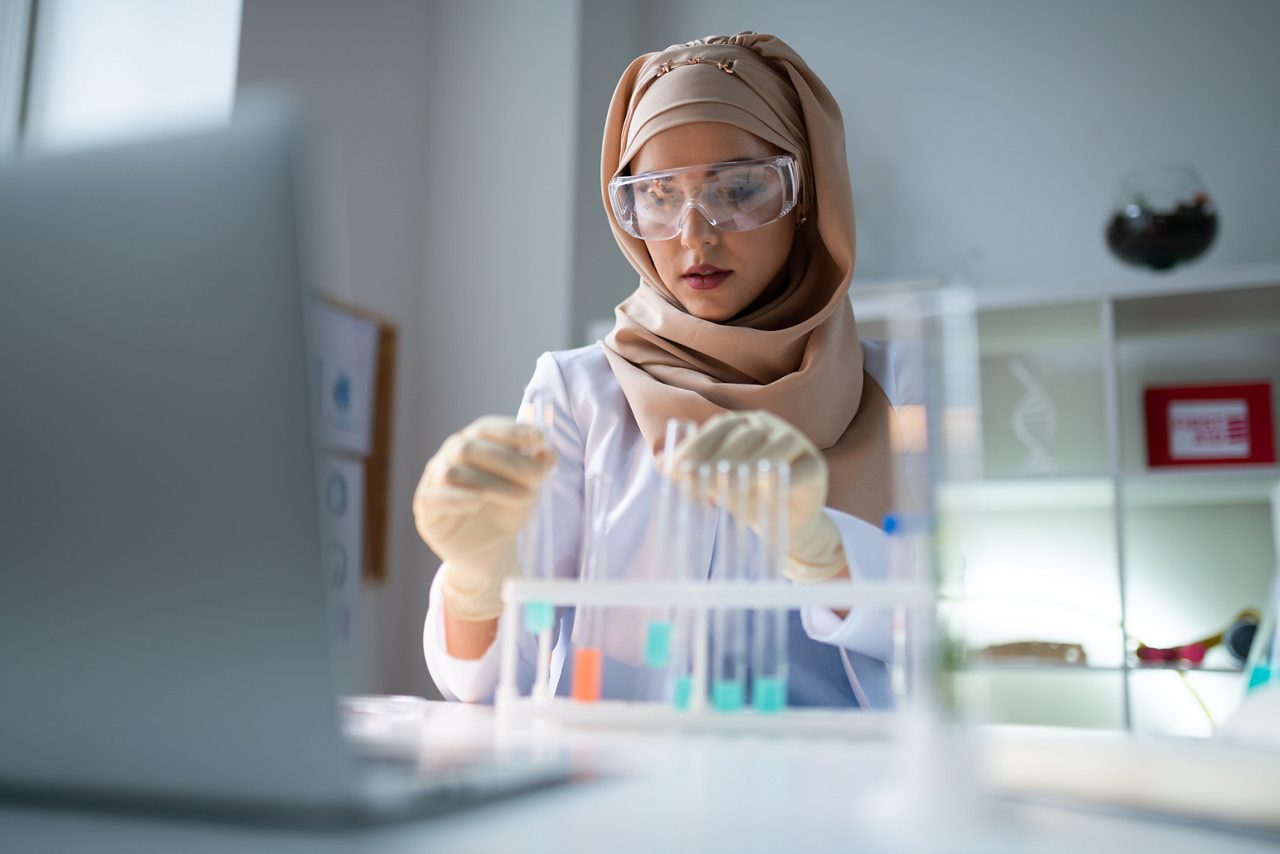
475 495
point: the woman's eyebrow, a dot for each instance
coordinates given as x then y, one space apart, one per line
707 167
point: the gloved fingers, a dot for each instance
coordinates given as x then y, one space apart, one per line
522 438
782 448
488 487
503 462
703 446
809 469
451 499
438 512
743 444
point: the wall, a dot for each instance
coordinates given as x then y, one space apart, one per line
449 129
986 138
361 69
601 275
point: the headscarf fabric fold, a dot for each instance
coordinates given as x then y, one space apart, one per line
796 355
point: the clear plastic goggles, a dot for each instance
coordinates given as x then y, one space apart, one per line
738 196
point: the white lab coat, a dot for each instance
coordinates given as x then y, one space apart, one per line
596 432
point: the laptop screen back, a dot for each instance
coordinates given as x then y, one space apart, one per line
162 619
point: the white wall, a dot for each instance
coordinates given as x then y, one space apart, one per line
450 127
986 137
361 69
499 238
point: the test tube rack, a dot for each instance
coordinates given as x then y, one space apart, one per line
701 599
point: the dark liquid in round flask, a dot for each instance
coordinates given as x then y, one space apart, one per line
1163 217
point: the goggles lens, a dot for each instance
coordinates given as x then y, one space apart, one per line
738 196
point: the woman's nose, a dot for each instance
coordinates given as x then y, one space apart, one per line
696 229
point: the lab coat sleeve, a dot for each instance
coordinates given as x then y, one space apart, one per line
475 680
863 630
468 680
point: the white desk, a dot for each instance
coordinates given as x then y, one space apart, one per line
661 793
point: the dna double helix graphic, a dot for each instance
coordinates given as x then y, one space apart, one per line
1034 421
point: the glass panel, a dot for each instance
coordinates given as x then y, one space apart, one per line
1193 339
1036 577
1183 703
1091 699
1193 567
1043 396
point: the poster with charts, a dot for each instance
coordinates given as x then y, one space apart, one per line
342 509
343 361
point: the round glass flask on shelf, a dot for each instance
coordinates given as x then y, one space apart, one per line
1163 217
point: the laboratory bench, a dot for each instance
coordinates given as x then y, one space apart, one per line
670 792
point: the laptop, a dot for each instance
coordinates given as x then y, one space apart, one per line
164 631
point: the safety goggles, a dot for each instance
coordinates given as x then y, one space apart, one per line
738 196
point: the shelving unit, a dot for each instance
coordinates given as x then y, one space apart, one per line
1071 538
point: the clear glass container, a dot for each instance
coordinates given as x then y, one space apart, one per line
1163 217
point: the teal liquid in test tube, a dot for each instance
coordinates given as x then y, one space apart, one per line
1263 665
669 547
729 638
769 628
689 643
537 558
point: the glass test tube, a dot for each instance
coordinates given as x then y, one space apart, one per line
669 546
728 667
905 537
687 519
769 637
588 654
538 548
691 691
1263 664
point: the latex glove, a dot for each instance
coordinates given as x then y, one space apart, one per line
814 549
475 495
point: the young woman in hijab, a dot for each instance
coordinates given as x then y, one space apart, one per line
725 181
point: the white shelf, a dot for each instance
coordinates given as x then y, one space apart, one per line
1045 666
1201 486
1178 545
1029 493
1132 286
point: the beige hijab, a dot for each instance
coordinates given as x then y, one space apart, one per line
797 356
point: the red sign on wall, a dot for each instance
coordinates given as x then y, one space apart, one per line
1210 425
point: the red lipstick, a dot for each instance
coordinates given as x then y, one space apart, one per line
704 277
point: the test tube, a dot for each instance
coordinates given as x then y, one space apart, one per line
588 656
728 668
907 537
692 692
537 559
669 545
769 638
685 520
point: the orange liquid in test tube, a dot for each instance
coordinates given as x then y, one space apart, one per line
588 664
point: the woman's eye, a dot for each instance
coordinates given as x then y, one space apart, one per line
653 196
740 192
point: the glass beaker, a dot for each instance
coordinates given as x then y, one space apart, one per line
1163 217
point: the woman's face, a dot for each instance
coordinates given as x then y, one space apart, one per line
714 274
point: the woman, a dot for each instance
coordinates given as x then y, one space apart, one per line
725 180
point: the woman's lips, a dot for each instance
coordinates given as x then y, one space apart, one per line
704 277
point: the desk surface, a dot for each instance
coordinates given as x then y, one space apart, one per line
672 793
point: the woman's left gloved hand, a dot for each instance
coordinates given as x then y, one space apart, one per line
814 552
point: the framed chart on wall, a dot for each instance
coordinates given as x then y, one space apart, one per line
352 365
1220 424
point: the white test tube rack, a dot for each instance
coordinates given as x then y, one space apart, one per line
701 598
